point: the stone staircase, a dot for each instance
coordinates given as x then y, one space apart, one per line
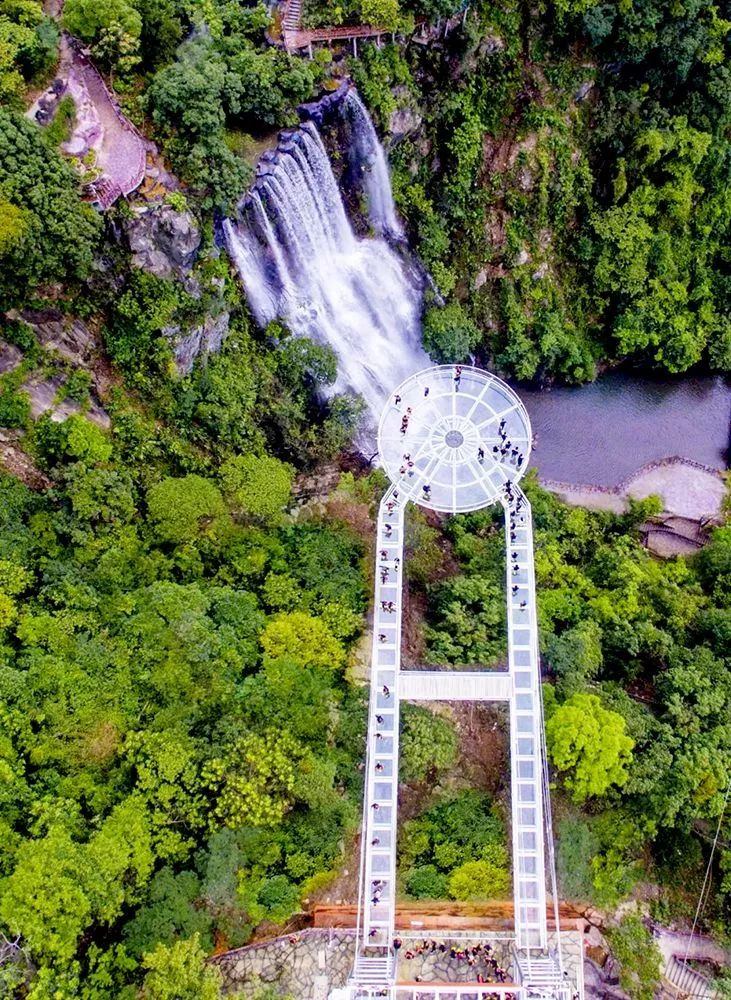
687 982
292 20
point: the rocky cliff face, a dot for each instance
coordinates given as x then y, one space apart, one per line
163 241
206 338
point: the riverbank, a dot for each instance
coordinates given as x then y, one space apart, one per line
687 488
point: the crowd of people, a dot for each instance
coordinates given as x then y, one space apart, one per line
470 961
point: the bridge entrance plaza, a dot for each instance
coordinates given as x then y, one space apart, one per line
456 439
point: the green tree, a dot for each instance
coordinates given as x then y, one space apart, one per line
254 783
469 614
384 13
575 656
44 899
428 743
179 508
486 878
305 639
59 233
656 256
179 972
638 956
258 485
189 101
426 882
170 911
113 29
591 744
578 844
449 335
121 858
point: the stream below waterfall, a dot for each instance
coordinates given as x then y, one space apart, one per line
601 433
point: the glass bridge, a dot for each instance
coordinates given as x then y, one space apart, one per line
456 439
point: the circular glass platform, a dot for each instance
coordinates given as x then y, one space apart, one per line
452 436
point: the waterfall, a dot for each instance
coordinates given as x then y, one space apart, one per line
300 260
368 159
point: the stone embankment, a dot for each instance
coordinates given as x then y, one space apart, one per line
312 962
688 489
307 965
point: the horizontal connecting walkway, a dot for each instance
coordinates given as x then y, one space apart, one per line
454 685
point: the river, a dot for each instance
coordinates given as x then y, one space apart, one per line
601 433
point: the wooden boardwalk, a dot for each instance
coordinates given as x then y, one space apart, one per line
295 40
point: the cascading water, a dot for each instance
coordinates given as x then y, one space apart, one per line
299 259
368 159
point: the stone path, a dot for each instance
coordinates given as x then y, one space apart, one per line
308 965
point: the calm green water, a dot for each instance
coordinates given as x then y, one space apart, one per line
601 433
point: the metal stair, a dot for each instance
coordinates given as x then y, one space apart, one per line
688 982
292 16
542 977
373 971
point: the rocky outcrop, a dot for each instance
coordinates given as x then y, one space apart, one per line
327 107
163 241
403 122
46 396
17 462
55 331
10 357
406 119
206 338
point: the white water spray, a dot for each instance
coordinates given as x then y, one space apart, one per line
299 259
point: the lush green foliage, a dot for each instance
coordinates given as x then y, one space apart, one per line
428 744
46 233
639 957
179 755
456 848
589 742
448 334
113 28
573 213
27 47
611 618
222 81
258 485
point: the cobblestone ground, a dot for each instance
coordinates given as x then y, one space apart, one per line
306 965
460 961
310 964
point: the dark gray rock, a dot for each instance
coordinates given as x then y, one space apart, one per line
10 357
188 344
583 92
406 120
163 241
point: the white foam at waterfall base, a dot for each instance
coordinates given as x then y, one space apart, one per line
300 260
